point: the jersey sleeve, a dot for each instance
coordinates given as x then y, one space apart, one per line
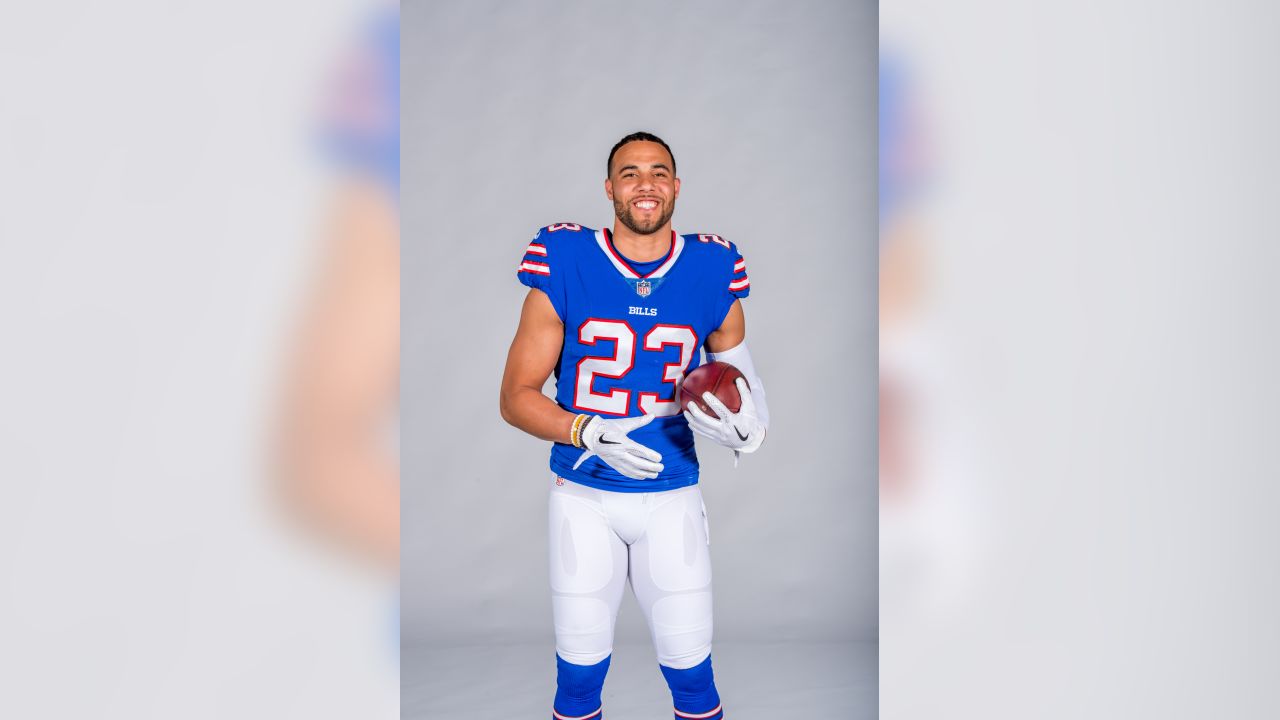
538 269
734 276
739 283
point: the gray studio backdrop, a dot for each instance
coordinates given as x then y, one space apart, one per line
509 111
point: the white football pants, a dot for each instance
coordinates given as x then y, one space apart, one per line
658 541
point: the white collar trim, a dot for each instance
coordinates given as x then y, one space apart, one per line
677 246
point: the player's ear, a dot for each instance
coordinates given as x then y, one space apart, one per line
608 188
676 181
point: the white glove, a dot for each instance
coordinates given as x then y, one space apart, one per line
607 440
740 432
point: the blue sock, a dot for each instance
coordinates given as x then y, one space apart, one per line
693 692
578 689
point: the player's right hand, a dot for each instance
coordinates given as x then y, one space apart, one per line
607 440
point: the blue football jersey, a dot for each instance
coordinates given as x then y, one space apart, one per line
631 332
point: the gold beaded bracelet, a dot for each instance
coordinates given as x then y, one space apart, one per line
575 433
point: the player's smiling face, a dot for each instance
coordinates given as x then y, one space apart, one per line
643 186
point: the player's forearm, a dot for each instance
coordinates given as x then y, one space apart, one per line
531 411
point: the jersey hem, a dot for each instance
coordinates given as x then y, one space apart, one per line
626 485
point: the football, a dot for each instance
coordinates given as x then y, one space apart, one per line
717 378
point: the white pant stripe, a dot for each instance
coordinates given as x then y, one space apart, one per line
703 715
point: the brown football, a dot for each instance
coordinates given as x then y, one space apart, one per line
717 378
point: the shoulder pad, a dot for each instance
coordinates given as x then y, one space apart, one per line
564 228
710 239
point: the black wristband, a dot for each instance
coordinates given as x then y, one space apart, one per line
582 431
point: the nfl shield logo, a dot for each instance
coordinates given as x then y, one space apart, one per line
643 288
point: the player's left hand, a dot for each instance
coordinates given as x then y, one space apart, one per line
741 431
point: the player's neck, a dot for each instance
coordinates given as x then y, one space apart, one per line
642 248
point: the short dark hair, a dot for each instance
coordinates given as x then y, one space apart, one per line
640 136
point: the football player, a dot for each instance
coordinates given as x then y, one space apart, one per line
619 315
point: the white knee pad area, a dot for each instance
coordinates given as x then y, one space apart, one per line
584 628
681 627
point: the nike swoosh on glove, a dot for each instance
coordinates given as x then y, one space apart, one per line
607 440
741 431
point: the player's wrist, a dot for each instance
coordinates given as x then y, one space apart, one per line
577 436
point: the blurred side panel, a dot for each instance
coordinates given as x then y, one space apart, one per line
1078 356
169 201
